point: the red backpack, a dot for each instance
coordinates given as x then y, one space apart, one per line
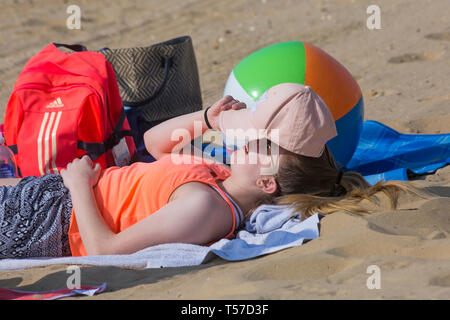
63 106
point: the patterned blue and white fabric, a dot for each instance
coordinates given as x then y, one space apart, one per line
34 218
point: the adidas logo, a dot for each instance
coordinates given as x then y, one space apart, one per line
55 104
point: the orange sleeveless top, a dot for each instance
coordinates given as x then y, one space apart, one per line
126 195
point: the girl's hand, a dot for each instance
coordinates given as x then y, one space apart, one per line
80 171
226 103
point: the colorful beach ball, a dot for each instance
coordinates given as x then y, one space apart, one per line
303 63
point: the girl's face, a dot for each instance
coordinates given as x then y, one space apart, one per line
255 158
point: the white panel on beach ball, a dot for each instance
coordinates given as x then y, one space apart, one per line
234 89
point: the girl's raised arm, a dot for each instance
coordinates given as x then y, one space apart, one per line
172 135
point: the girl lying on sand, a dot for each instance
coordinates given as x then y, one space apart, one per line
182 197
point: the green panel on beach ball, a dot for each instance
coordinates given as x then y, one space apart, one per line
267 67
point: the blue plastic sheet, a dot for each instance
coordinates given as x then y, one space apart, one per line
385 154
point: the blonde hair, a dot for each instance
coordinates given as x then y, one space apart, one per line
312 185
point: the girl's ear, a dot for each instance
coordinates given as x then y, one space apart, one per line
267 184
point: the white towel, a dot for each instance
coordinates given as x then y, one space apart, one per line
270 228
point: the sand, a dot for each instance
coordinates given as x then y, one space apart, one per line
402 70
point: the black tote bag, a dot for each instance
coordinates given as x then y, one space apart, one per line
161 80
156 83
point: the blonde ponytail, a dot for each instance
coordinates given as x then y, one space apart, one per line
351 201
309 186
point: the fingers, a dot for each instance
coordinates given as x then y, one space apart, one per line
79 161
238 105
235 105
228 102
87 159
226 99
232 103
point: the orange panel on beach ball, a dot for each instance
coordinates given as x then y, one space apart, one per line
331 81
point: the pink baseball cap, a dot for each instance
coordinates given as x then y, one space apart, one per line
289 114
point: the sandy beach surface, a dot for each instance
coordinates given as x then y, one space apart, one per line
403 71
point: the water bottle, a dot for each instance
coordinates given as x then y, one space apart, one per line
8 168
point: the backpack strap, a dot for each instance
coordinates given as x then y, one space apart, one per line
95 150
73 47
13 148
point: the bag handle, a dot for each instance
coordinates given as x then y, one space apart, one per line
73 47
167 61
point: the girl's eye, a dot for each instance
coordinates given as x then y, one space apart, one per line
260 146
